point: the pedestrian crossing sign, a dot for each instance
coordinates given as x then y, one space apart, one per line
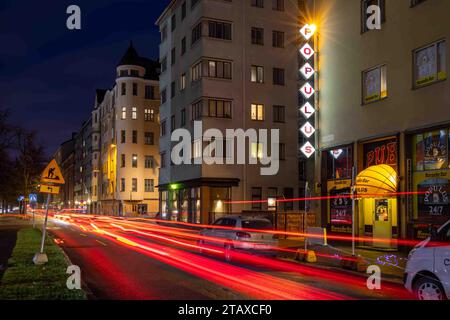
52 174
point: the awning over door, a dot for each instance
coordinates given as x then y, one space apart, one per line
378 180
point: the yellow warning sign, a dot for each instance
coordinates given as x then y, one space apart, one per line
52 174
49 189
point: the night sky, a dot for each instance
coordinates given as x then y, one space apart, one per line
48 74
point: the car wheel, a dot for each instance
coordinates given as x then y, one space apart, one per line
228 252
427 288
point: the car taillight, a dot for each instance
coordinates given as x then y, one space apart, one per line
240 234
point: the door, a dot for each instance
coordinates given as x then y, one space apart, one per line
382 224
442 258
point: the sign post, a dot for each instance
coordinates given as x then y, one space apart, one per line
353 210
52 175
305 217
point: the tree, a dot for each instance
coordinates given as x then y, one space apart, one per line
29 163
8 187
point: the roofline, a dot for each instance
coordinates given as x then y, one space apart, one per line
164 13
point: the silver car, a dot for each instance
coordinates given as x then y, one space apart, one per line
238 234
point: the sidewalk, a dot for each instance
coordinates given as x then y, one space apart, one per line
392 264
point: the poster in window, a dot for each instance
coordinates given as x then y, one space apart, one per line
382 210
436 150
433 198
340 209
372 85
426 64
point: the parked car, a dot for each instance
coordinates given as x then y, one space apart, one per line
427 273
238 234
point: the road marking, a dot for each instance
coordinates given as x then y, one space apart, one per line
102 243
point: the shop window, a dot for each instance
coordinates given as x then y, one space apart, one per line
339 163
381 152
430 64
431 150
374 84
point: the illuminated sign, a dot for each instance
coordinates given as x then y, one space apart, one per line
307 89
307 110
336 153
308 149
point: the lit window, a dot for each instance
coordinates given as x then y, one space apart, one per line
134 161
257 74
430 64
257 112
124 113
375 84
183 82
134 113
257 150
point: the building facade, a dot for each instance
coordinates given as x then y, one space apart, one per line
228 65
125 130
65 157
384 100
83 168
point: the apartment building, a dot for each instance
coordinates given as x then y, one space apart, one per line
384 100
125 130
229 65
83 167
65 157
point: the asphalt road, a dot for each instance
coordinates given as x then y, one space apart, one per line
151 269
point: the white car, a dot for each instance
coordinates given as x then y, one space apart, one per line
238 234
427 273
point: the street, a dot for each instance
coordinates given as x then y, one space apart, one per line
130 259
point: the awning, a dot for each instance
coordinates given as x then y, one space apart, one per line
378 180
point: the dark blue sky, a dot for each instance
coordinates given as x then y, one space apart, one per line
48 74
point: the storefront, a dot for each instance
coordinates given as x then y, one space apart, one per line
431 179
377 185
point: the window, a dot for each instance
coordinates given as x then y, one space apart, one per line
135 89
431 150
163 128
163 96
258 36
172 124
135 134
219 108
123 88
163 33
149 115
163 159
124 113
257 198
430 64
216 69
288 193
149 161
123 73
183 11
122 161
196 72
278 5
149 138
149 185
257 150
278 114
149 92
183 117
416 2
183 46
374 84
219 30
134 186
282 151
365 16
172 89
122 185
173 56
257 74
122 136
278 76
164 64
277 39
173 22
257 3
134 161
197 110
257 112
183 82
196 33
134 113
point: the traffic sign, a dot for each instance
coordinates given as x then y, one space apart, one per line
48 189
32 197
52 174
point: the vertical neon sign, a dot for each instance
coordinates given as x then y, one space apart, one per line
307 89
